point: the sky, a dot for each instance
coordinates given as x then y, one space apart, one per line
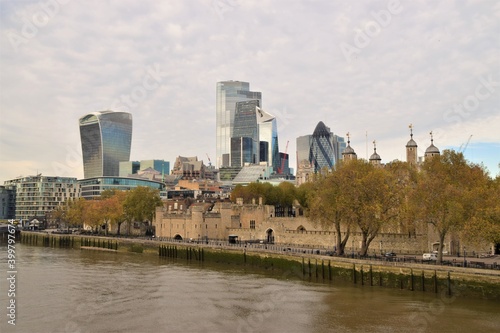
370 68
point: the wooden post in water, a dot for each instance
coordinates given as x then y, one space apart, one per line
371 276
411 279
329 270
322 269
309 266
354 273
303 268
423 281
362 279
449 284
435 282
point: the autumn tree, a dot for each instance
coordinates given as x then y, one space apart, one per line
75 211
449 194
112 206
378 201
356 194
327 201
484 225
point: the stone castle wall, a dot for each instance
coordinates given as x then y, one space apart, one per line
258 222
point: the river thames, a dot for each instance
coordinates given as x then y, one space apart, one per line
66 290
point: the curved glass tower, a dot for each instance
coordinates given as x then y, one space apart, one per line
321 153
106 139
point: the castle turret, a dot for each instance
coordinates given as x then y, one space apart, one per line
411 149
349 154
375 158
432 150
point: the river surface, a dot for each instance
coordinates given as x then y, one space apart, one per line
74 291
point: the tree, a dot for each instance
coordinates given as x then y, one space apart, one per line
449 194
140 204
485 224
356 194
327 202
378 202
75 211
113 207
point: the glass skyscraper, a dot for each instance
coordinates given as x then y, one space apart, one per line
320 150
106 140
245 143
268 132
227 95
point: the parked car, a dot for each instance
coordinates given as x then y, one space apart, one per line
429 256
390 256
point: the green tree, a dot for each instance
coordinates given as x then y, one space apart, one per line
140 204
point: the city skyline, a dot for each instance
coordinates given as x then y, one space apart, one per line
368 68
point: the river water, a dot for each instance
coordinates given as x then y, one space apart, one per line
73 291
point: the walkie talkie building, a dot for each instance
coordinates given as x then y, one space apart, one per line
106 140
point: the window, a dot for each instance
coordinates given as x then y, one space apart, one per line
252 224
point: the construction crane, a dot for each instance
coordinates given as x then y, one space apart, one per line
280 170
209 162
460 150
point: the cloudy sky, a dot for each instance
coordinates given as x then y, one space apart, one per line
370 68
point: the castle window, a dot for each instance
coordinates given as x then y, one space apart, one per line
252 224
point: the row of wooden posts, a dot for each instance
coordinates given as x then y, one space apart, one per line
66 241
325 271
171 251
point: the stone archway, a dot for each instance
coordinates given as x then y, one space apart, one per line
270 236
178 237
301 229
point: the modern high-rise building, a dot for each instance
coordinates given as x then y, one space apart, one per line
106 140
36 196
321 153
245 144
133 167
320 150
228 93
268 133
7 202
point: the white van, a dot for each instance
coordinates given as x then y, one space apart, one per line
430 256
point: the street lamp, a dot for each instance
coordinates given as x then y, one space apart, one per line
465 258
380 247
352 247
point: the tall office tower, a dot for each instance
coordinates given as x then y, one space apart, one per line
106 139
320 150
339 145
268 132
322 154
303 146
245 144
227 95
